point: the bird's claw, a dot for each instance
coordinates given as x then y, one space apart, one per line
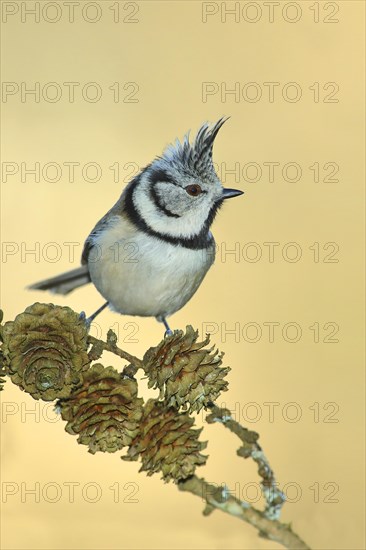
82 316
84 319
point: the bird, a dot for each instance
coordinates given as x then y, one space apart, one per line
150 252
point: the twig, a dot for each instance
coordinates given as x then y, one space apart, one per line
216 498
98 346
250 448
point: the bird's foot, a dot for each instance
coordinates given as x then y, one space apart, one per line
84 319
168 330
88 320
82 316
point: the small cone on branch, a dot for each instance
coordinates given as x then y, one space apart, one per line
186 373
167 443
46 350
105 411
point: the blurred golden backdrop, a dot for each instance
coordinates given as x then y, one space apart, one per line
113 82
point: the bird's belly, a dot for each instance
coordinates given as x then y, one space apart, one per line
145 276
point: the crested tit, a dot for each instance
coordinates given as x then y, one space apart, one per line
162 220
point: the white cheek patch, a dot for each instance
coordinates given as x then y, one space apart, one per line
188 225
169 199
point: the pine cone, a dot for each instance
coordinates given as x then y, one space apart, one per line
166 443
46 350
185 373
105 411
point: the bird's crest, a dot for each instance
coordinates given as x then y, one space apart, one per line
195 158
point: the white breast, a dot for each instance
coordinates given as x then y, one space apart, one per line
142 275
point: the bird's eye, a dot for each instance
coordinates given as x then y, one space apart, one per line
194 190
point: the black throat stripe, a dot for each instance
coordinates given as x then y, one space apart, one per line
200 241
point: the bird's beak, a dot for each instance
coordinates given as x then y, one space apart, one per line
228 193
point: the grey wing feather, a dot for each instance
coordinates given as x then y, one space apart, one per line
67 282
100 226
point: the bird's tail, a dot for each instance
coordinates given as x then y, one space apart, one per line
66 282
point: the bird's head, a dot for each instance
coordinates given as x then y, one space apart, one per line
179 193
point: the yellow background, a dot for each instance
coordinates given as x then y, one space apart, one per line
169 52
